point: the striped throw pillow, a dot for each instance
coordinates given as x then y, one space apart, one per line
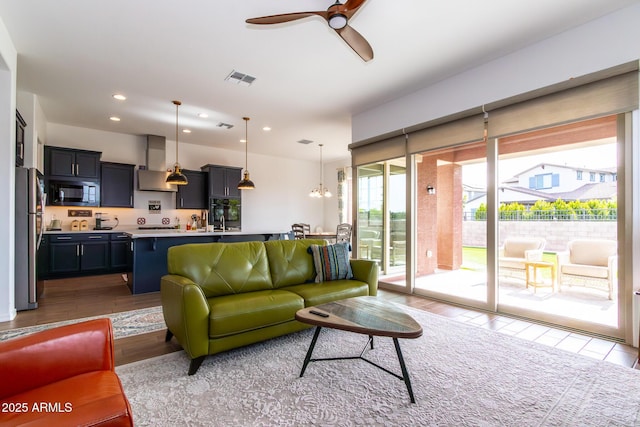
331 262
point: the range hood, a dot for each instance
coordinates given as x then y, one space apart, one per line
155 176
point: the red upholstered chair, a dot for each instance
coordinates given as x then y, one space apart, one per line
62 376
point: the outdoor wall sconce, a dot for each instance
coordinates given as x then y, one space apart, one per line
431 189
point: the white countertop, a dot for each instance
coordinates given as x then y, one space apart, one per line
135 233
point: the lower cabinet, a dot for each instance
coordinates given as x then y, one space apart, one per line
119 252
79 254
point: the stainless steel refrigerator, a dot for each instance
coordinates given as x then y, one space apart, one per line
30 202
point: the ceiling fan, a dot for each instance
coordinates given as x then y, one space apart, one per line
337 16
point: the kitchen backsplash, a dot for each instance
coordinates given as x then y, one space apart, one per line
127 217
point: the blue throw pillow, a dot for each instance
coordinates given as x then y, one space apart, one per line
331 262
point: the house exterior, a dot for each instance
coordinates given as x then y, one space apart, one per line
549 182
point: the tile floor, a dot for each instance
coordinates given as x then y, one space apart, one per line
595 347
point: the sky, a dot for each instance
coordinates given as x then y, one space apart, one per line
597 157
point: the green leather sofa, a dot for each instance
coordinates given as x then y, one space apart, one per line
220 296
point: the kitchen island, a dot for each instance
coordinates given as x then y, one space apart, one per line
148 262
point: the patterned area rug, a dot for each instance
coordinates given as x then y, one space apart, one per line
462 375
125 324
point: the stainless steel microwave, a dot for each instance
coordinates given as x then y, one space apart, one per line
73 193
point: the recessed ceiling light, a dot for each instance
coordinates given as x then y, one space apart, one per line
243 140
186 130
119 97
203 115
266 128
114 119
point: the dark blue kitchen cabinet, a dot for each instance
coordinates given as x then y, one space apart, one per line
116 185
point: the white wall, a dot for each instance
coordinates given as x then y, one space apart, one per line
280 197
8 66
330 206
600 44
29 107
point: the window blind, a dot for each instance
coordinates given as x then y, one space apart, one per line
603 93
566 103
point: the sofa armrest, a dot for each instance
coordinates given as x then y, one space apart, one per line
366 271
186 313
52 355
533 254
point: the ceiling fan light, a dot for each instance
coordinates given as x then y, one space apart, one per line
338 21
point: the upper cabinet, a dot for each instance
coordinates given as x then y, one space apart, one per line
20 125
116 185
70 163
193 195
223 181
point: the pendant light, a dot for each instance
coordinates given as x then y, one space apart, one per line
177 177
246 183
321 191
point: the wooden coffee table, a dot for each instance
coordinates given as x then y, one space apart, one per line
363 315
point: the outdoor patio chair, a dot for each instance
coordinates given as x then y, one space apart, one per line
515 252
590 263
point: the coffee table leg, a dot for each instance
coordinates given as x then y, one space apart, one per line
405 373
310 351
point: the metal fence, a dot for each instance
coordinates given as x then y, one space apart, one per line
548 215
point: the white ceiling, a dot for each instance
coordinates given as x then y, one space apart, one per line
74 54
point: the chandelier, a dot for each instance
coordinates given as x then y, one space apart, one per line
321 190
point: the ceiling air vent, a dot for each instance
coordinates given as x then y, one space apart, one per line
224 125
305 141
240 78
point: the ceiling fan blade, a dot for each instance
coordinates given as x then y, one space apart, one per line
351 7
358 43
286 17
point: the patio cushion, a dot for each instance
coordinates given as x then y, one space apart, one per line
516 247
592 251
585 270
517 263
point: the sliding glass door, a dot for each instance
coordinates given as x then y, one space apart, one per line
558 220
523 206
381 231
451 244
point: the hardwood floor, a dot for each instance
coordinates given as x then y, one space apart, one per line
76 298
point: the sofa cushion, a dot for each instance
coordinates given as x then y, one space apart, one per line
320 293
289 261
222 268
234 314
331 262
